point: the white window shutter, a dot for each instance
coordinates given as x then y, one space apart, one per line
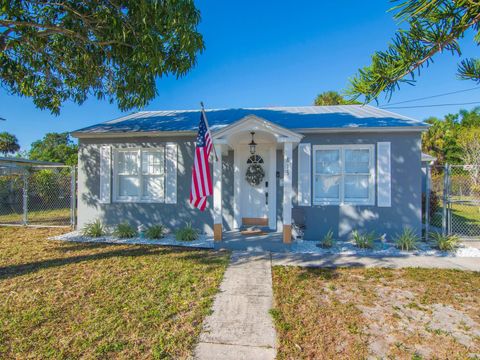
105 174
384 177
171 174
304 174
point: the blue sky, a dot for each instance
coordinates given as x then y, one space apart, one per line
267 53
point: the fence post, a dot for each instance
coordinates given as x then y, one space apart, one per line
25 197
445 199
73 197
427 201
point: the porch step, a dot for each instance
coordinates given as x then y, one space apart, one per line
246 221
254 230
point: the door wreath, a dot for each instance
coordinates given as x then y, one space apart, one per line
254 174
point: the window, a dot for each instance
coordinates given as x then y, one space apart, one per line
255 159
343 174
139 175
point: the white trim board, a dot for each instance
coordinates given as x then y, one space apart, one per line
341 197
251 122
140 176
132 134
361 130
297 131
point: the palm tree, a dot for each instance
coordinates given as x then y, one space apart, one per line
332 98
8 143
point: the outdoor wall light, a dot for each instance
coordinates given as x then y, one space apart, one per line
253 144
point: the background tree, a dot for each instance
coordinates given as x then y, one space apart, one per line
433 26
332 98
8 143
55 147
470 144
447 138
53 51
441 140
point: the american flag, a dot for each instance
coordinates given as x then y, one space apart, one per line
201 177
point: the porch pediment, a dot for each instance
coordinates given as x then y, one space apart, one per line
271 132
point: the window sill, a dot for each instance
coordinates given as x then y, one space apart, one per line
138 201
329 203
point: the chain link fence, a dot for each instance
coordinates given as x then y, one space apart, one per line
38 195
452 197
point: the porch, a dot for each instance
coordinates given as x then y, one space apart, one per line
270 242
257 146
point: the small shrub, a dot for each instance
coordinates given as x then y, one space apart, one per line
434 203
328 240
188 233
94 229
125 231
364 241
445 242
407 240
47 183
155 232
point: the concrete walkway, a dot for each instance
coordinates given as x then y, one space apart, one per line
240 326
336 260
235 241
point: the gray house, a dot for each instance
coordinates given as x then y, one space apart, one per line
316 168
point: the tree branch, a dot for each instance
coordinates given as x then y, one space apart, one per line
51 30
435 50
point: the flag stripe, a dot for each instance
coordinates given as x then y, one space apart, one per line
202 185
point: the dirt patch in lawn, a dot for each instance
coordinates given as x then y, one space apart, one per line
74 300
376 313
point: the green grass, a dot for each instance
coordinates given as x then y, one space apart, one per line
465 219
45 217
339 313
72 300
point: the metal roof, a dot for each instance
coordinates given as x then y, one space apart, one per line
23 161
293 118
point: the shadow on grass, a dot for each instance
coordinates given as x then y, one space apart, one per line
324 274
205 257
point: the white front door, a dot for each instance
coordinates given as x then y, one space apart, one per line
253 195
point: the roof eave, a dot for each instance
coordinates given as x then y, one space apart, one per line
362 129
124 134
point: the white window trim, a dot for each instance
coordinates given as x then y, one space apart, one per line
140 198
341 200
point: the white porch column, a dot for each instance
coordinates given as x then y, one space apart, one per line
217 195
287 192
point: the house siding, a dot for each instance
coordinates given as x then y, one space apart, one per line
170 215
406 190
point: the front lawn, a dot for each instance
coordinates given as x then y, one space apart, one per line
376 313
69 300
59 217
465 219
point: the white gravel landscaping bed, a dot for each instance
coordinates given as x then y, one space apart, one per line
203 241
380 250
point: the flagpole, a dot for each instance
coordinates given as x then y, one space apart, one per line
208 128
